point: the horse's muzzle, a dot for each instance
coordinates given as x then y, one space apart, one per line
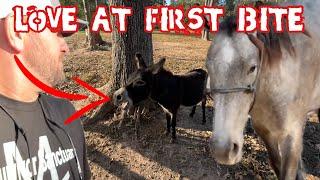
226 152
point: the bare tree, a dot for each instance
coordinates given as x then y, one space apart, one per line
93 39
206 30
124 48
125 45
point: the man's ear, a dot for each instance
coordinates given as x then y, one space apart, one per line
14 39
157 67
140 62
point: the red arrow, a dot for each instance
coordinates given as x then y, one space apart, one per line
45 87
65 95
90 106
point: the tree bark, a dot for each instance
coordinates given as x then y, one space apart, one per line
206 31
124 48
126 45
93 39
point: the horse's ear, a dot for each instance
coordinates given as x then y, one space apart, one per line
256 41
157 67
307 33
140 62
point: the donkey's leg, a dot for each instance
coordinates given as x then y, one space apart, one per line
193 111
319 115
203 104
137 116
168 117
249 127
173 125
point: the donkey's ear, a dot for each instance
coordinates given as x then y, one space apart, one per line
140 62
157 67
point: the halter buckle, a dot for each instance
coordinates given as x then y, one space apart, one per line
251 88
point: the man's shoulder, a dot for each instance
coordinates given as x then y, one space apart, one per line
56 102
57 106
59 110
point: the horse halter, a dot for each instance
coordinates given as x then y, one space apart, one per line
251 88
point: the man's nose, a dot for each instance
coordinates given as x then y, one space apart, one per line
64 46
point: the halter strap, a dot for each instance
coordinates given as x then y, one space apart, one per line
249 89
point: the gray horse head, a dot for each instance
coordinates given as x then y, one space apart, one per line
233 63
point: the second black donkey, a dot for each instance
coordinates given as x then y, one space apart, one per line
168 90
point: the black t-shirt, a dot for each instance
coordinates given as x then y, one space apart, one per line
35 144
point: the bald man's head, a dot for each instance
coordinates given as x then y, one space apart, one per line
42 53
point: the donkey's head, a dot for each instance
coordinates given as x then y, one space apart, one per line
233 64
139 84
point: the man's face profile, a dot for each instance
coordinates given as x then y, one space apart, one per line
44 53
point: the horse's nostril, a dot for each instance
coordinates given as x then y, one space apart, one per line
119 97
235 148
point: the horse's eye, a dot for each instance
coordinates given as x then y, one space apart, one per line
252 69
139 83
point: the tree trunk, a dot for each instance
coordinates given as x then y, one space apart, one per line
206 31
124 48
230 5
93 39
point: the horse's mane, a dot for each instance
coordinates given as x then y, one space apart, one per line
272 40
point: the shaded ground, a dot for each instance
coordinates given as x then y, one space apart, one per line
116 154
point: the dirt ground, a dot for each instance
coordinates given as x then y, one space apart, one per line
115 153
